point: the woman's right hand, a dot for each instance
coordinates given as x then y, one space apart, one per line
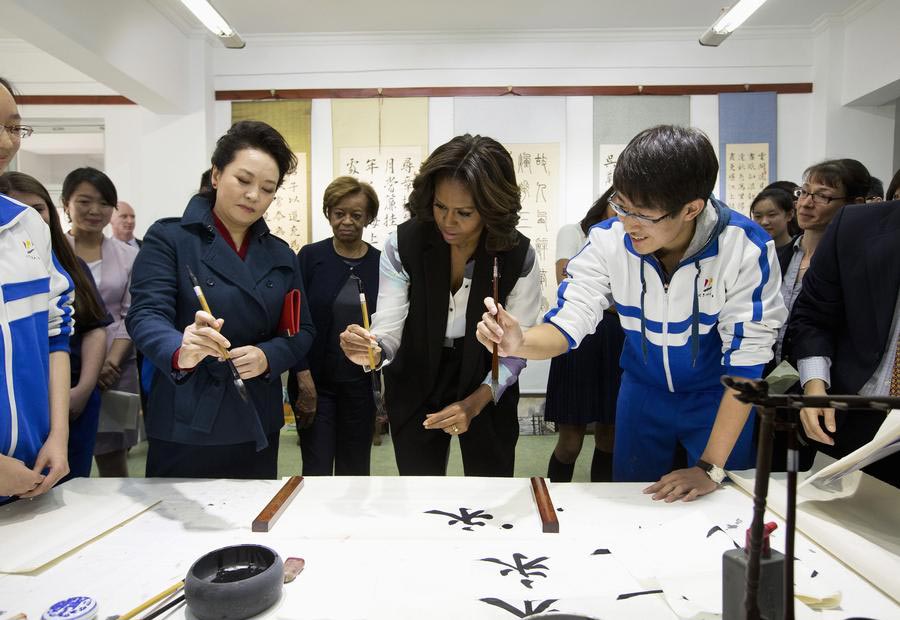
356 342
201 339
305 407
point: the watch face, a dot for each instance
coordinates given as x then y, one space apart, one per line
716 474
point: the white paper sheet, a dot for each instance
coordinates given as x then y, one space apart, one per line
37 531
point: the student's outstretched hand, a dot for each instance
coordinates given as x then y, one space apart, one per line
498 325
682 484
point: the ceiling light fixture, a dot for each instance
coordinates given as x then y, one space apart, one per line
213 20
728 22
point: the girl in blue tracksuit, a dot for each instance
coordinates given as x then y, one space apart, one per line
697 297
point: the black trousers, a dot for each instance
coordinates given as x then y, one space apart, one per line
340 438
167 459
488 447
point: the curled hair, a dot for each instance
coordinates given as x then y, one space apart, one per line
597 212
88 309
252 135
341 188
97 179
847 175
666 167
486 169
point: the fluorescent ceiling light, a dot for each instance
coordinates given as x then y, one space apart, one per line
728 22
214 22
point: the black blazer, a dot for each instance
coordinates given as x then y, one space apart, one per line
202 407
845 309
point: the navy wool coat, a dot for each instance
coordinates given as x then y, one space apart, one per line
202 406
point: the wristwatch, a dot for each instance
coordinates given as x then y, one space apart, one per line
715 473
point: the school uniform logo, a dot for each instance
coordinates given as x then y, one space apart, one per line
707 289
29 250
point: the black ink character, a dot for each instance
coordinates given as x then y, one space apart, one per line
468 519
533 568
530 608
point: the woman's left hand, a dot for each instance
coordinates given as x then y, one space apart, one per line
453 419
250 361
109 375
54 458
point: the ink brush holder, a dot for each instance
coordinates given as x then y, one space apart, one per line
233 583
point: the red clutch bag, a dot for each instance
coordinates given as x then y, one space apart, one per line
289 324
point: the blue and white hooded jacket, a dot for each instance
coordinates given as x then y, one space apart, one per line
35 320
718 312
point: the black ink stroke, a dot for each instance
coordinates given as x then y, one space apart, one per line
530 608
532 568
467 518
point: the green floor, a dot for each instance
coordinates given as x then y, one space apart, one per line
532 453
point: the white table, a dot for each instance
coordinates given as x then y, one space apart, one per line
373 551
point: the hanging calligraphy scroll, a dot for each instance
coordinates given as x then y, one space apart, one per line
287 216
390 170
537 173
746 173
607 156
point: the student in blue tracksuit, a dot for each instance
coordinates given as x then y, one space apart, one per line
697 289
35 324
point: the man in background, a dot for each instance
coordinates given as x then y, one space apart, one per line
122 223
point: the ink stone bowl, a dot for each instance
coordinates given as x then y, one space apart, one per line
233 583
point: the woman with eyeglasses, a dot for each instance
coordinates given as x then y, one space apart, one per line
35 325
89 198
827 187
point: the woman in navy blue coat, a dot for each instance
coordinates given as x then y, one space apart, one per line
333 397
198 426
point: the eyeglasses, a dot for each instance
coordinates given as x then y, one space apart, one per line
622 212
818 199
18 131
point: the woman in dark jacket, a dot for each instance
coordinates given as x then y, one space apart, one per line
333 399
435 273
198 425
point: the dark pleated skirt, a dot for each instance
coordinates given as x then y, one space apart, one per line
583 384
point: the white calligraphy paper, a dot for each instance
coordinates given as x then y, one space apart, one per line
746 174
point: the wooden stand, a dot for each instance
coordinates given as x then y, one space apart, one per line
269 515
549 522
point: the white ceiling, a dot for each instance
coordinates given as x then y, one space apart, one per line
260 17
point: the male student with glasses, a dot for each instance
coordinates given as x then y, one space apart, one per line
697 290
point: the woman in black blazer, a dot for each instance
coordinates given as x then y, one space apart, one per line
198 426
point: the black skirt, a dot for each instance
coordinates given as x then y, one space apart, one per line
583 384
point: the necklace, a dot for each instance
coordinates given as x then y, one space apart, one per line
357 252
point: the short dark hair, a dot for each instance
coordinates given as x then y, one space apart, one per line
597 212
205 180
486 168
893 187
876 188
345 186
788 186
667 166
88 308
847 174
859 178
253 135
96 178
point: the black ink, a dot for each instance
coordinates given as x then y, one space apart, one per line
622 597
532 568
530 608
467 518
713 530
507 526
560 509
814 574
601 552
734 526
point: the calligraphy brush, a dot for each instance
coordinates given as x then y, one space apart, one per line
261 440
376 383
495 357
